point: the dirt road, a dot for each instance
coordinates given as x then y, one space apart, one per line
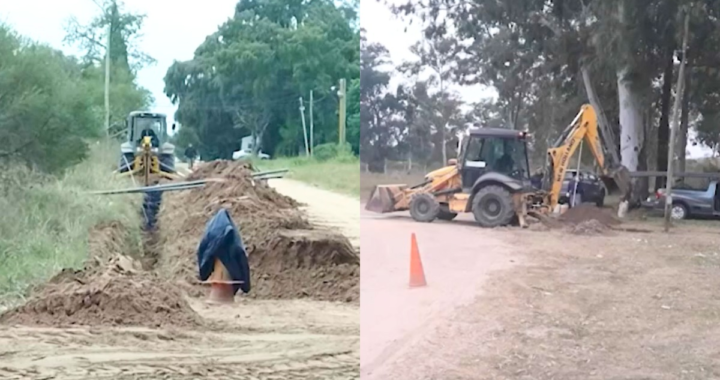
262 340
325 208
633 304
251 339
457 258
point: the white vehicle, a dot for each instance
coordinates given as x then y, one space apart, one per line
239 154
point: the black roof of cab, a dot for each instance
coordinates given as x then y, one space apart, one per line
498 132
146 114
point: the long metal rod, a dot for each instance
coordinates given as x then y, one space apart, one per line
256 174
271 176
166 186
107 82
149 189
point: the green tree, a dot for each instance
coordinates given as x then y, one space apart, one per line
125 56
46 116
246 78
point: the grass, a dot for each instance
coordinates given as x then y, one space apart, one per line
46 220
341 174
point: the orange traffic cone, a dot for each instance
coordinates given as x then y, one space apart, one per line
417 274
221 290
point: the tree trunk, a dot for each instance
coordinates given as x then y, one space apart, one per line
631 122
663 136
683 132
444 145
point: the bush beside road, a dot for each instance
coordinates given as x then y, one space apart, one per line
52 218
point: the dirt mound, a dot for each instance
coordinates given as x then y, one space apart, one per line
588 227
585 213
288 259
117 296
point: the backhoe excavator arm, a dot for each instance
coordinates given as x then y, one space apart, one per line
583 127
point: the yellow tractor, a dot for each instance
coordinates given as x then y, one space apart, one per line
491 178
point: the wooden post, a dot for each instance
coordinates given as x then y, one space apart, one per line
674 125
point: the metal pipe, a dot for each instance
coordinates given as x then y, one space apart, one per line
150 189
257 174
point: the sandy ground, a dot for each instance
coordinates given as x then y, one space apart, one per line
252 339
457 258
263 340
620 305
325 208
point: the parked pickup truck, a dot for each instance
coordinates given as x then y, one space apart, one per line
688 202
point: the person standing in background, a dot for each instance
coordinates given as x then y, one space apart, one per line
190 154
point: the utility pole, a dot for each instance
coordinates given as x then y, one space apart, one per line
674 127
302 115
341 112
107 82
312 126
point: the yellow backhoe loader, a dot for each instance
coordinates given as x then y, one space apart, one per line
147 153
491 178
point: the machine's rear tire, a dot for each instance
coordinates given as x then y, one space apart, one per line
424 208
445 214
493 207
126 161
167 163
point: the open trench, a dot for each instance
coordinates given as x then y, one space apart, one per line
150 210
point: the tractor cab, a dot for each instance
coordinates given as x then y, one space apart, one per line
142 124
493 150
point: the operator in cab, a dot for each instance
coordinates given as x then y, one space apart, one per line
149 131
191 154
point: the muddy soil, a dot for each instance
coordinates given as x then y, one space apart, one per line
288 257
325 209
119 296
587 212
626 306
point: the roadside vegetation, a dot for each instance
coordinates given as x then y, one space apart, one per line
330 168
47 219
51 125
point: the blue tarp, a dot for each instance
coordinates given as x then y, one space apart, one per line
222 241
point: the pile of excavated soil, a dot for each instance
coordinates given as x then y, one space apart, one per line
119 295
588 227
288 258
585 213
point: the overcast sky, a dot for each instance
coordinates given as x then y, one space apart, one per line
172 30
397 35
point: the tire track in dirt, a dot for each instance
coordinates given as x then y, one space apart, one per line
325 208
322 343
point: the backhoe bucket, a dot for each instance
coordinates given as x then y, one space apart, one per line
621 180
384 197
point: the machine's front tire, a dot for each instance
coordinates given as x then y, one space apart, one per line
424 207
493 207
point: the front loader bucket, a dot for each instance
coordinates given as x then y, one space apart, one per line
384 197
